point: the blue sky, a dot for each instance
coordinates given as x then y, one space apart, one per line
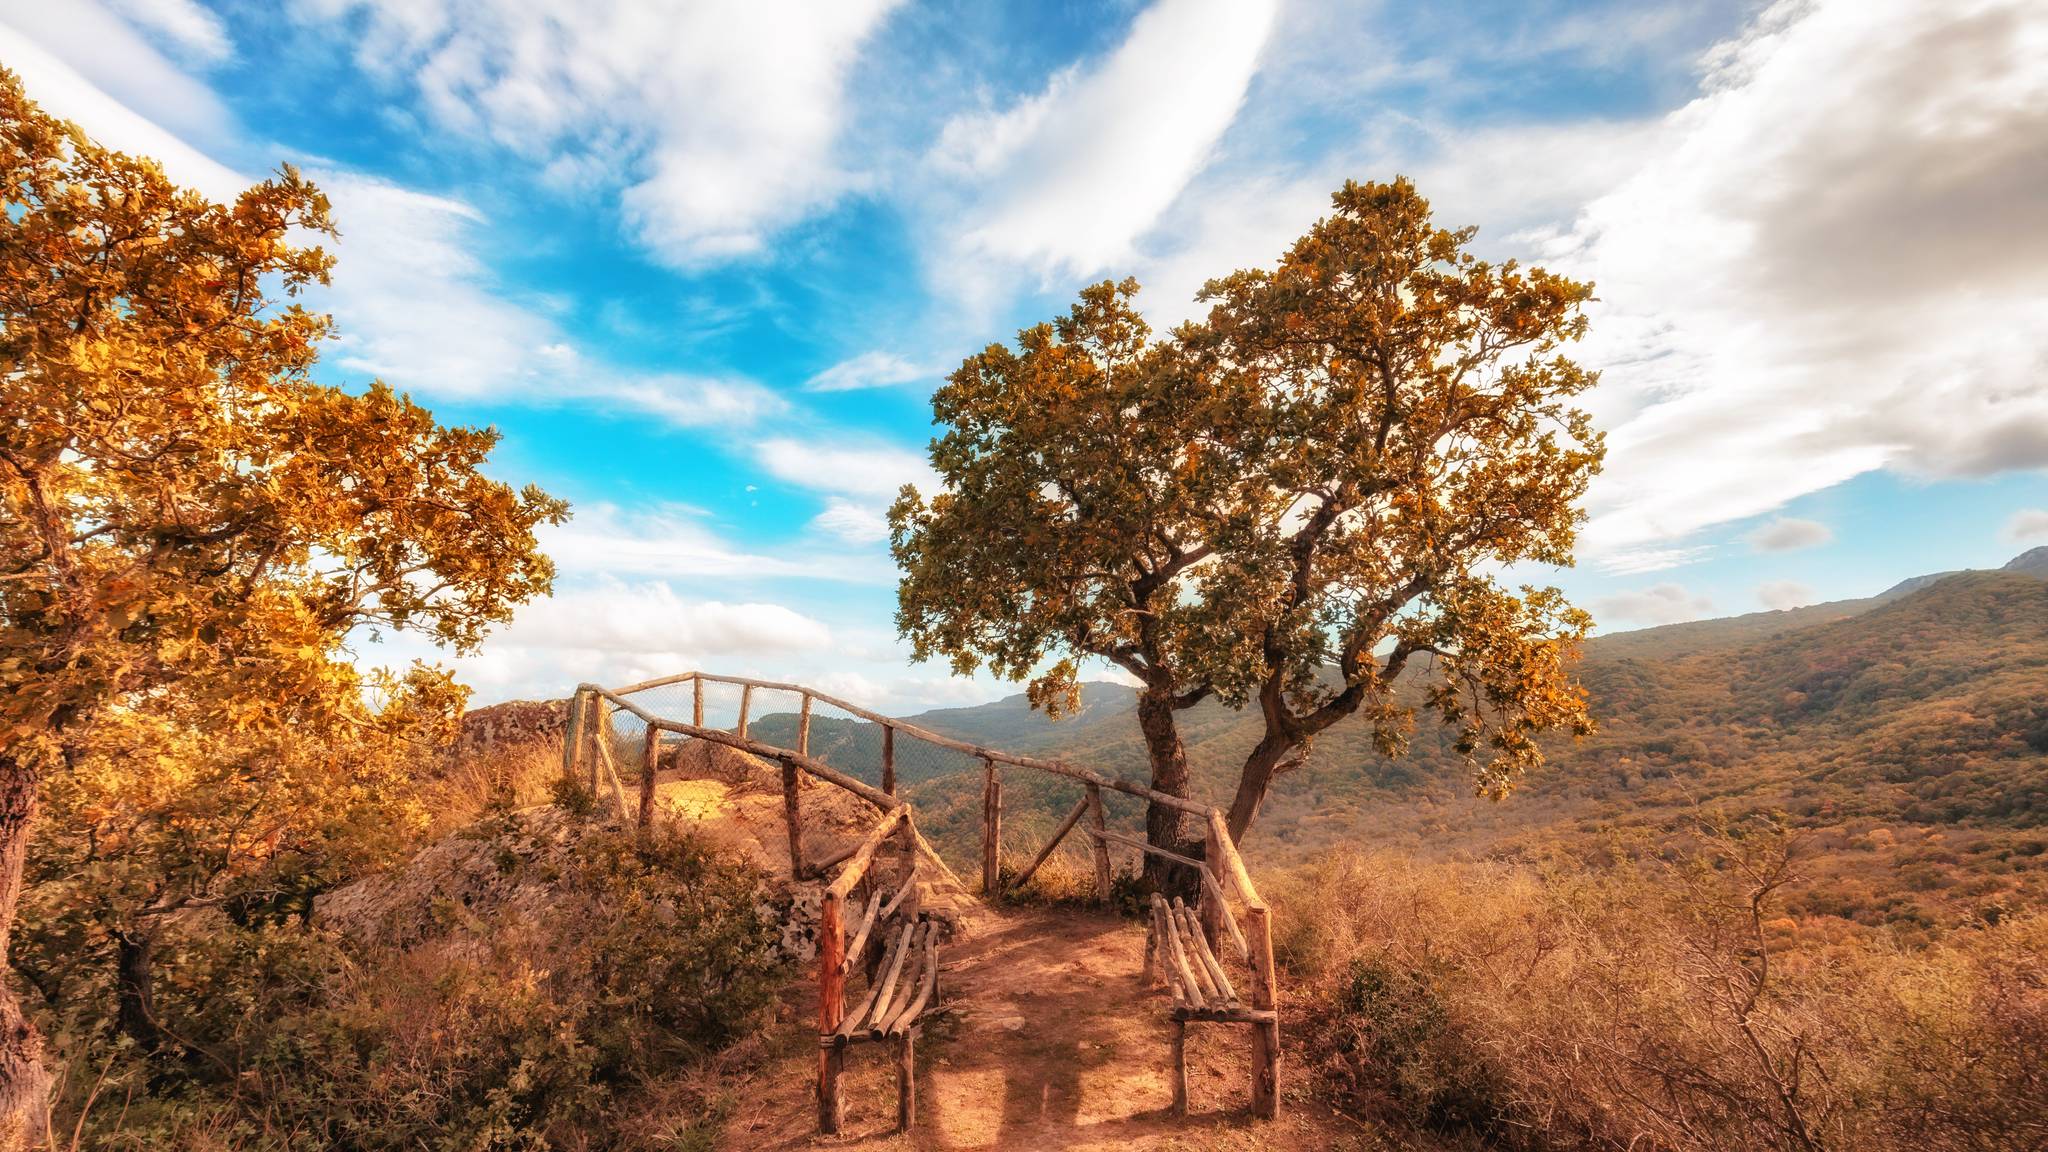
703 263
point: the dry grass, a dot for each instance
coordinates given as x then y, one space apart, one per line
1665 1009
459 790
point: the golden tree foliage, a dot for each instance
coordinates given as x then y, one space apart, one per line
1287 505
190 525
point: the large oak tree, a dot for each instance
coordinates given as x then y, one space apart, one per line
186 516
1299 504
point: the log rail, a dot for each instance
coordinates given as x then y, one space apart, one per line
1189 944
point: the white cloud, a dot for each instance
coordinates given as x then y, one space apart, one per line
718 119
1834 260
616 632
1635 561
82 64
852 522
2027 526
197 33
1790 534
1779 595
416 306
1064 182
1665 603
867 370
414 303
673 541
876 472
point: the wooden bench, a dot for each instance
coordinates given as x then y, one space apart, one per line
903 987
1200 986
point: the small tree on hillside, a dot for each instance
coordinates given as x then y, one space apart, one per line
1080 492
190 526
1291 505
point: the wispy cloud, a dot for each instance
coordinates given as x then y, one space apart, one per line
872 471
674 541
1834 260
419 308
717 123
194 32
868 370
1790 534
2027 526
1779 595
1064 182
1665 603
84 64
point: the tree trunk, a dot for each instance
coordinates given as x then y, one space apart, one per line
24 1081
1253 782
135 996
1169 775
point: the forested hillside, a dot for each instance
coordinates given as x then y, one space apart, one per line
1908 731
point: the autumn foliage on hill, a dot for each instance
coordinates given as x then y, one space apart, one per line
191 528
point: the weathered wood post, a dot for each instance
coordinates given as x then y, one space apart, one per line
1101 846
650 762
572 733
1180 1068
803 728
991 829
831 1008
792 815
597 727
1210 905
746 700
1265 1037
906 1080
889 759
697 700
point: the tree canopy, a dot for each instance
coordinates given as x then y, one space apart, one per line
1287 505
191 526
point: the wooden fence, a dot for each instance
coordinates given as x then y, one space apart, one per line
588 757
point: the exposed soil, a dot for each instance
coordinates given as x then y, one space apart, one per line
1051 1039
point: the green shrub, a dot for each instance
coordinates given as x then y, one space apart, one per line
511 1032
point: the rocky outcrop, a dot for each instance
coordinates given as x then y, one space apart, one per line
511 724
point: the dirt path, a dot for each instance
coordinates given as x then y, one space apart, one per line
1051 1041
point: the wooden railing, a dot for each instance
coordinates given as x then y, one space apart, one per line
587 756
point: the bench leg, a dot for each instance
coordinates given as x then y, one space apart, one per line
906 1081
1180 1068
830 1111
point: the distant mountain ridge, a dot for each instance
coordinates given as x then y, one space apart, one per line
1907 730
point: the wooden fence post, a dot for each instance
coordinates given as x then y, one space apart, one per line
991 830
697 700
831 1009
1265 1037
906 1080
803 728
650 762
889 759
597 725
746 699
1178 1054
792 815
572 733
1101 846
1209 907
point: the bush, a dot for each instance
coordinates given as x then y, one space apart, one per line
516 1032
